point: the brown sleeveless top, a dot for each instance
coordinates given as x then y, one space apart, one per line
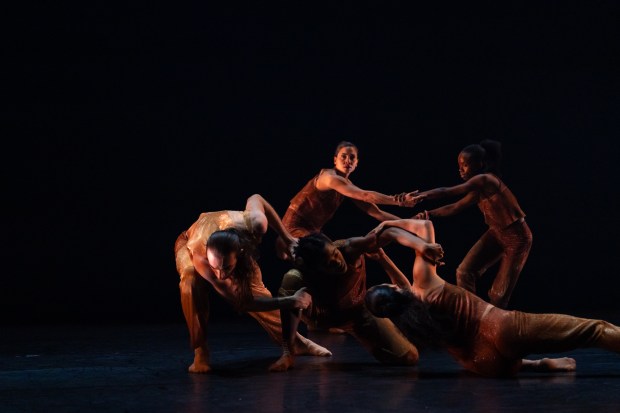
310 209
501 209
458 311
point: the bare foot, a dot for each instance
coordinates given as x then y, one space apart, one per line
306 347
550 364
559 364
199 368
283 364
201 361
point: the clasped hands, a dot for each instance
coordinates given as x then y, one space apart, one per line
408 199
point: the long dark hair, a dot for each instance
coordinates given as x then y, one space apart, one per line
408 313
229 241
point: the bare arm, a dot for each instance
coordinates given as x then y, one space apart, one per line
450 209
471 192
362 245
374 211
427 253
262 216
348 189
413 225
444 192
429 250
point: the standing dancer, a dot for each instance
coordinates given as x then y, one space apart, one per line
317 202
508 238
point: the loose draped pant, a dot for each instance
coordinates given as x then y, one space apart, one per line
505 337
512 246
195 300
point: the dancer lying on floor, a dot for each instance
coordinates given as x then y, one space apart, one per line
481 337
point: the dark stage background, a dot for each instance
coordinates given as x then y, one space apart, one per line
124 122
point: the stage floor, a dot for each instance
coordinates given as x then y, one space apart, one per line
143 368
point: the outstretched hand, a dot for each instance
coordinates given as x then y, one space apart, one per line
301 299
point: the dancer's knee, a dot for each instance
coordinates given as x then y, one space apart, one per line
494 298
291 282
498 300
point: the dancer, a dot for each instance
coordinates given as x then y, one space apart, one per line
483 338
508 238
334 273
317 202
219 249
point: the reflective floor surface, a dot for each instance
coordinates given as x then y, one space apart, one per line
143 368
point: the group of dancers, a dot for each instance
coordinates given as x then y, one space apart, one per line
326 284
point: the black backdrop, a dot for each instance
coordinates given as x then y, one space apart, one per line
124 122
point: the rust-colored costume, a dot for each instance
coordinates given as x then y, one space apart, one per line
338 301
310 209
508 239
194 288
491 341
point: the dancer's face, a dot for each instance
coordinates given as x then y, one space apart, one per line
222 265
467 167
346 160
333 262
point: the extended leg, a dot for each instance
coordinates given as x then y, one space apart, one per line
528 333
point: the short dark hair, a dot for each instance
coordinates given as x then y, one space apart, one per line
345 144
311 249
